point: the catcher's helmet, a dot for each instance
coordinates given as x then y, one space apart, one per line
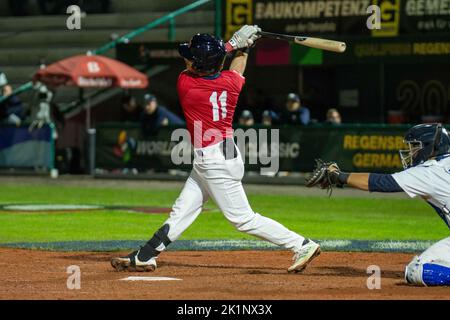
206 52
424 141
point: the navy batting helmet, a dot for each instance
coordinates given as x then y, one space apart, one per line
206 52
424 141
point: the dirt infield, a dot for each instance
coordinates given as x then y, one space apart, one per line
32 274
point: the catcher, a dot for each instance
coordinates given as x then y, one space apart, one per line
427 175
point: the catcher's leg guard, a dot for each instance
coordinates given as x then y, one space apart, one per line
156 244
436 275
432 267
427 274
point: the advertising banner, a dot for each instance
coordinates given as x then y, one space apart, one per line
22 148
374 18
359 148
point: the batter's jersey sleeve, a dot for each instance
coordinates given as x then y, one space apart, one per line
415 181
237 80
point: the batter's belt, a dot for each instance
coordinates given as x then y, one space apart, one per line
227 147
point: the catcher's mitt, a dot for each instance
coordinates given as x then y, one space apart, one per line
325 175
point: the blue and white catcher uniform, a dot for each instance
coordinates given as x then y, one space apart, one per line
430 181
426 175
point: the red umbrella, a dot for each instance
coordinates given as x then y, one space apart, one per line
87 71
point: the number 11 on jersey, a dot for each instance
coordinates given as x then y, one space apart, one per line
215 105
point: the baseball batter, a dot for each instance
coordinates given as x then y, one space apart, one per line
208 96
426 175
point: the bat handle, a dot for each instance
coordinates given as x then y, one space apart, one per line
277 36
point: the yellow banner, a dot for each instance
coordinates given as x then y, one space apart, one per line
390 18
238 13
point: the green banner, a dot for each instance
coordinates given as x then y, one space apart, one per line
121 146
358 148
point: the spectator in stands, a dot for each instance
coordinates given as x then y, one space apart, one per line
11 109
155 116
333 117
269 118
41 107
130 110
246 118
296 113
3 80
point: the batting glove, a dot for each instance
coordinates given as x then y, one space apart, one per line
245 37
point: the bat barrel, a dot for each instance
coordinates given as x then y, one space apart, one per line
324 44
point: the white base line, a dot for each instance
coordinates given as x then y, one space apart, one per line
150 279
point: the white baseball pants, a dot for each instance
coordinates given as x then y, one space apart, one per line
438 252
215 177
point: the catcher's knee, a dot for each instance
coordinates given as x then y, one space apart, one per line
414 271
434 274
425 273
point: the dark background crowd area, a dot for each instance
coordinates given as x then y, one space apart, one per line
254 108
379 91
56 7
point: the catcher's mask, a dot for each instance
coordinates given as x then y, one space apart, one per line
424 141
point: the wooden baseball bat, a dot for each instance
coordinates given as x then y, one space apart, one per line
324 44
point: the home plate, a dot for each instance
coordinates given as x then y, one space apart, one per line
149 279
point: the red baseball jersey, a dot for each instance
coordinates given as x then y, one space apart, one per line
208 105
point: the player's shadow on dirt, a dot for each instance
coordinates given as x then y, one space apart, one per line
347 271
164 264
247 269
310 271
100 257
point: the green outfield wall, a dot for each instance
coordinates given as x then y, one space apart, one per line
359 148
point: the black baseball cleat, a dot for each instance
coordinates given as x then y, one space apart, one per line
133 264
